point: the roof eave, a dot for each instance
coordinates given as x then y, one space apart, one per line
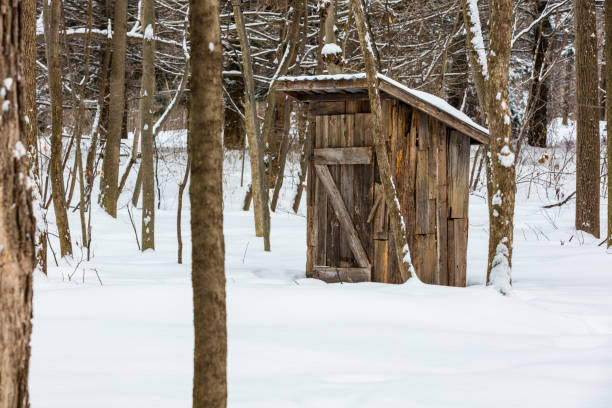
298 88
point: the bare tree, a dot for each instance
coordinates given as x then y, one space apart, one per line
206 195
331 52
537 133
609 112
53 13
398 226
501 159
17 222
258 184
587 119
491 79
146 122
110 165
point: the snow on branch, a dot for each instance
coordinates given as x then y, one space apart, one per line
477 39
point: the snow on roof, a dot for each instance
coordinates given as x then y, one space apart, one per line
423 96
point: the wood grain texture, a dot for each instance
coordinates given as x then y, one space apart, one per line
342 214
425 160
363 183
320 204
442 211
347 176
348 275
458 174
343 155
457 252
334 129
310 200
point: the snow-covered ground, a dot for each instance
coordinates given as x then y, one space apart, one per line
296 342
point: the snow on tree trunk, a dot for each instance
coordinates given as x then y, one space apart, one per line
491 77
17 222
501 150
147 90
398 226
331 52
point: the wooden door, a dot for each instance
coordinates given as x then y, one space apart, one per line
343 196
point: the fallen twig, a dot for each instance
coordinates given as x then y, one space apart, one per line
559 204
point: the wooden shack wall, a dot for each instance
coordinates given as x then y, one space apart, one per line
431 166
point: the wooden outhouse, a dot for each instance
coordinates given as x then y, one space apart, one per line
428 142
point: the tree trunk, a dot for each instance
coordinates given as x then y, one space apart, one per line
146 122
609 113
179 210
78 168
258 185
282 158
499 156
206 195
55 90
97 124
287 59
110 165
304 125
476 57
501 159
28 32
331 52
17 222
398 226
537 133
587 119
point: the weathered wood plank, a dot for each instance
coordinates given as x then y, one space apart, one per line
310 201
320 204
343 155
342 214
422 221
442 210
302 96
458 168
346 275
322 84
377 201
358 106
457 251
425 257
423 135
461 237
363 183
451 255
380 267
328 108
333 229
408 201
346 184
433 158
